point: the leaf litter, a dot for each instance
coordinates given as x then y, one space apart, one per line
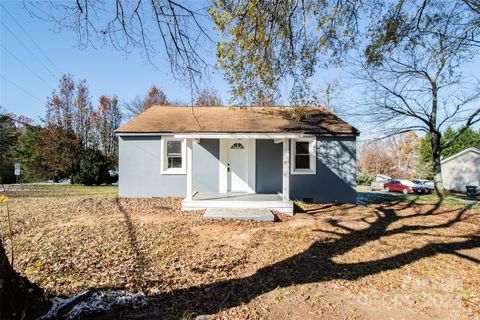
72 242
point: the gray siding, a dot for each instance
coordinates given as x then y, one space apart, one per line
268 166
140 171
334 181
205 165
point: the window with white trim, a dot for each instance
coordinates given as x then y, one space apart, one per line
303 159
173 156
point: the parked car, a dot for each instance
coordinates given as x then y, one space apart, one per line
405 186
426 183
112 177
379 182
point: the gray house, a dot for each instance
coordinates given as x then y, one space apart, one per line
221 157
462 169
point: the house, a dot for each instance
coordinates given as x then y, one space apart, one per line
225 157
462 169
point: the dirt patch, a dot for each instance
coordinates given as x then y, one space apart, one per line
223 235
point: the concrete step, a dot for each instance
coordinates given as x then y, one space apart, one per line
239 214
280 206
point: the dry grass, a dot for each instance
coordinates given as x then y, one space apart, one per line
391 260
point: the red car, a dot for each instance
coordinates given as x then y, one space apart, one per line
405 186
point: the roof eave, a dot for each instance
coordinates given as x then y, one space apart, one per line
191 134
461 153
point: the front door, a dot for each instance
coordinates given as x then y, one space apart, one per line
237 166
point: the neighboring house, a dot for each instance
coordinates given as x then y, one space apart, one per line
238 157
462 169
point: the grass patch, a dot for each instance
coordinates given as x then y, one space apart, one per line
450 200
60 190
365 196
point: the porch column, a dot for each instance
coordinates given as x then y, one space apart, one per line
286 170
189 170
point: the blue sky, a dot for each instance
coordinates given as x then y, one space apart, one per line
28 74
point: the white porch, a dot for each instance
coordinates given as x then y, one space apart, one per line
240 200
230 175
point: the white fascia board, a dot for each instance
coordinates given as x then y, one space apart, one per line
241 135
230 135
141 134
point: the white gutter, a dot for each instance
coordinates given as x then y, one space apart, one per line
216 135
137 134
241 135
230 135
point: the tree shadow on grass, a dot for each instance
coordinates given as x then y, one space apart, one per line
316 264
139 260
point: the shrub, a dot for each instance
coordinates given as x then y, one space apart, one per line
364 178
7 173
93 168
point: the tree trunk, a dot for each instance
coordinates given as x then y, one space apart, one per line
19 298
436 142
437 165
437 175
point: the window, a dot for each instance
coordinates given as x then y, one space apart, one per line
237 146
302 155
303 159
173 156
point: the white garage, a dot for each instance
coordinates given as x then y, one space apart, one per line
462 169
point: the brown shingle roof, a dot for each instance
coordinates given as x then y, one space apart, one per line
168 119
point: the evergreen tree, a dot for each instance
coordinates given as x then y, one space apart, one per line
8 142
469 138
27 155
424 168
93 168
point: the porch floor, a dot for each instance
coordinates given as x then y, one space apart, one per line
237 200
236 196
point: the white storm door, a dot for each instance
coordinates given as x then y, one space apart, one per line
237 166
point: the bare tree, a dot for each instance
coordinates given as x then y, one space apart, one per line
107 118
83 114
208 97
329 94
270 45
394 156
134 107
417 84
61 104
155 97
138 105
70 108
158 27
325 96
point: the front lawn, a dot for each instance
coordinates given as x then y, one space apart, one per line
399 259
